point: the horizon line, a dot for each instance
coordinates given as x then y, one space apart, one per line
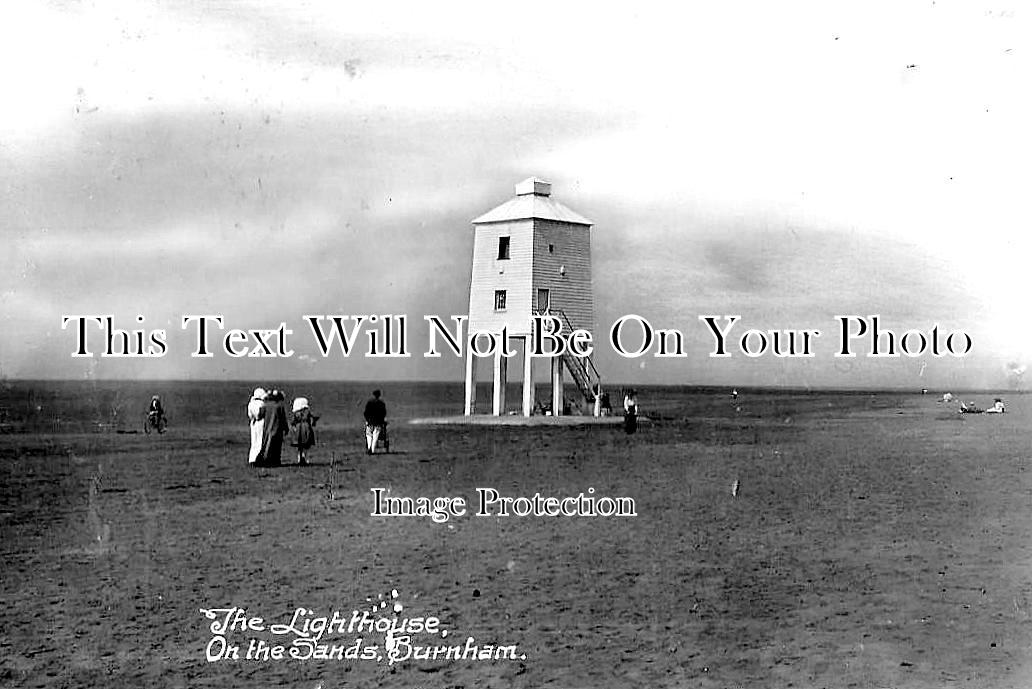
620 385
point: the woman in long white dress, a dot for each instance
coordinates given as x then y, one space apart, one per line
256 417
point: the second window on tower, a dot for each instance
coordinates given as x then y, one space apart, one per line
503 248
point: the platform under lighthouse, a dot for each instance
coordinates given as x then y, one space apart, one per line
531 255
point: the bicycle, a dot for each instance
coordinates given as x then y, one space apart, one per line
156 422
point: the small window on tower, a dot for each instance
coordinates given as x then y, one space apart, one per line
544 300
503 248
499 300
551 248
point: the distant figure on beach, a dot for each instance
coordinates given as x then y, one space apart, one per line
948 397
276 427
734 394
302 424
970 408
596 392
155 416
155 410
375 421
607 405
630 415
997 407
256 420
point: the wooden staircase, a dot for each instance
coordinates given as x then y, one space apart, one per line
582 369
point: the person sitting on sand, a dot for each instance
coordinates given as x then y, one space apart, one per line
375 415
256 420
997 407
303 427
970 408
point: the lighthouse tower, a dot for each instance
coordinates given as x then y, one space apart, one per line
531 255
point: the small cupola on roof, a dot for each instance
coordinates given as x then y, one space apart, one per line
534 185
533 200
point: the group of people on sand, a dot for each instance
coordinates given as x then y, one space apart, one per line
971 408
270 425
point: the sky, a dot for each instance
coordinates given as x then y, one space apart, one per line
785 162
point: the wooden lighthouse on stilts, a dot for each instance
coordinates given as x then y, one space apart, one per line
531 255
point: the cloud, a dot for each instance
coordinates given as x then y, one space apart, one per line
1015 374
226 212
264 159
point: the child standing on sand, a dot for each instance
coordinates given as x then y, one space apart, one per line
302 424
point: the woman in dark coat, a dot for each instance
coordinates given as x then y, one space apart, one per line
276 427
630 418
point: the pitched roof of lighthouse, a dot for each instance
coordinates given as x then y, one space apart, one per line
533 200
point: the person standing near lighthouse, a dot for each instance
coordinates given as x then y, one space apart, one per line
630 405
375 419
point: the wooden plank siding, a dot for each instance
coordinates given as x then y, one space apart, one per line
572 249
512 275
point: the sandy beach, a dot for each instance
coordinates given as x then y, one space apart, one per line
876 540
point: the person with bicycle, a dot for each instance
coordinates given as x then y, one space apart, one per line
156 414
